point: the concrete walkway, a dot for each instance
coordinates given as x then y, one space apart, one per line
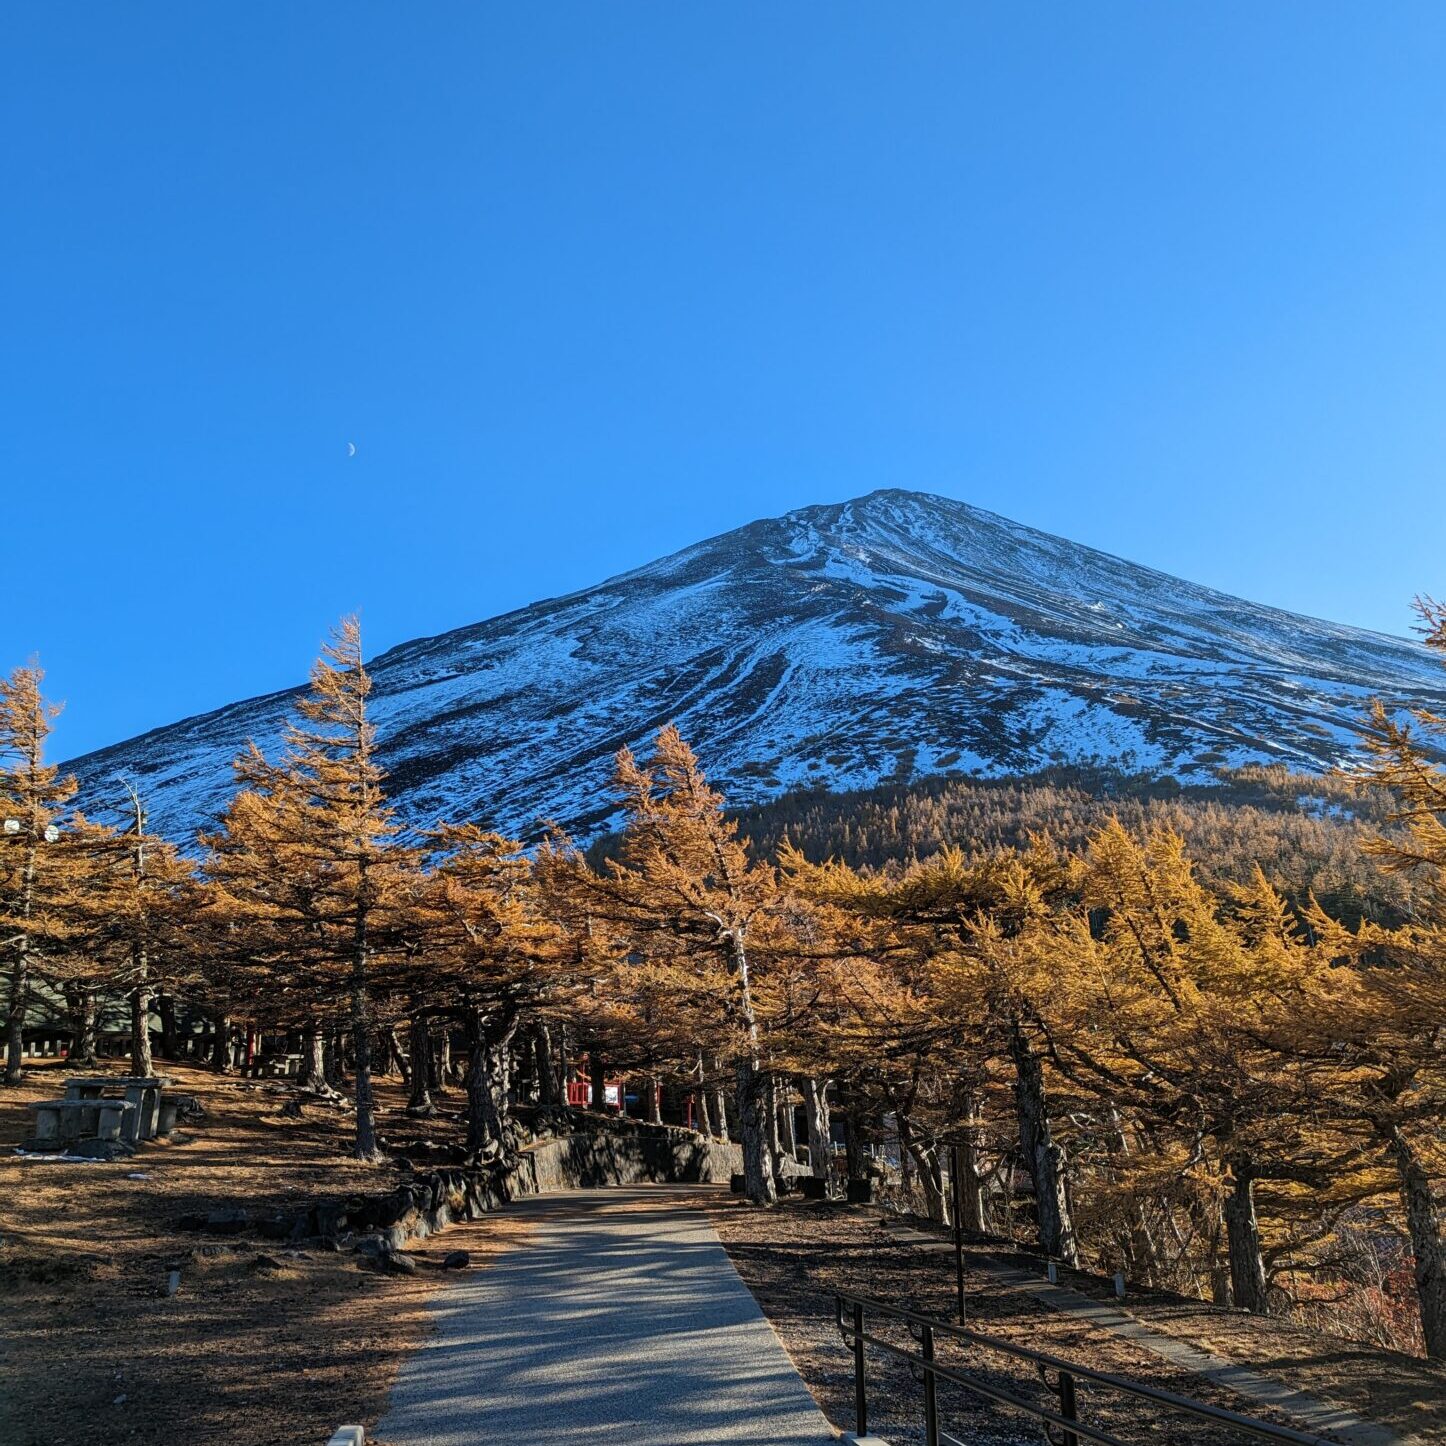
620 1319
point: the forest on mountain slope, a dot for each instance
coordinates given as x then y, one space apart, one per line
1309 832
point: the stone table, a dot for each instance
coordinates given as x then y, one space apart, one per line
143 1093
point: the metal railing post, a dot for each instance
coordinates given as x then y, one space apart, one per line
931 1388
1067 1406
1063 1392
861 1403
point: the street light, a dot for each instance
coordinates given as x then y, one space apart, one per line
50 835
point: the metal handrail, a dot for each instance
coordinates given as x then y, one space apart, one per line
1063 1426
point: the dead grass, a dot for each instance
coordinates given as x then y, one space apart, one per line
260 1346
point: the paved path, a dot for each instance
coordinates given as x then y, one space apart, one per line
620 1319
1310 1412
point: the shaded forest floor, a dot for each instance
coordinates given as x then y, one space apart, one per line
262 1344
795 1256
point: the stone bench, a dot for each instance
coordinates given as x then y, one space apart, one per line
273 1066
169 1109
61 1122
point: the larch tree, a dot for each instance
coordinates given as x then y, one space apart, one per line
951 989
35 874
685 894
308 865
1180 999
489 952
1396 1033
137 918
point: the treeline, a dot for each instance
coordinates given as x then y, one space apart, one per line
1133 1021
1309 834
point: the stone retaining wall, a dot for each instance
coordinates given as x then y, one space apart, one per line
433 1199
430 1200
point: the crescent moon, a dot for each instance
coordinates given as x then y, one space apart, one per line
351 449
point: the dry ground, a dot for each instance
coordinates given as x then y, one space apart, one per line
257 1354
262 1347
795 1256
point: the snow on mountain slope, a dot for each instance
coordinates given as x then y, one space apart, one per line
896 636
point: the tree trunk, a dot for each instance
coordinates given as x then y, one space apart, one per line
703 1124
442 1070
20 973
548 1099
931 1171
480 1123
365 1146
1219 1271
311 1072
770 1099
1242 1233
221 1042
488 1043
419 1039
720 1101
856 1139
170 1041
141 1066
15 1016
931 1177
399 1059
787 1130
1428 1243
753 1127
655 1101
973 1214
815 1113
756 1117
1044 1160
82 1026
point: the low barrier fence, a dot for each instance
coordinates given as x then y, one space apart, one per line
1063 1381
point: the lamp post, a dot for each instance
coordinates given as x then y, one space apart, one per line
14 828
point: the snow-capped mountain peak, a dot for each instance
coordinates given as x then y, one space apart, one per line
899 635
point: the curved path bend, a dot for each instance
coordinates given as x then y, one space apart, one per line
618 1319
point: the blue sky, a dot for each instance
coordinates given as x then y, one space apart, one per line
585 282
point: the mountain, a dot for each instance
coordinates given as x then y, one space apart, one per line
897 636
